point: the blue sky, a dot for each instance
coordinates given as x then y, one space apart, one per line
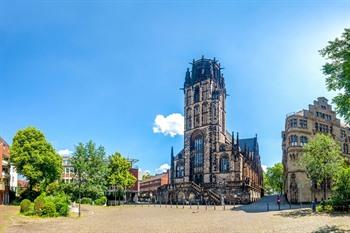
103 70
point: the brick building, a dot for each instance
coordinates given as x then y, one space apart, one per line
300 128
149 186
68 169
131 194
4 172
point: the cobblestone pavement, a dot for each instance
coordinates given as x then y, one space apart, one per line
165 219
6 213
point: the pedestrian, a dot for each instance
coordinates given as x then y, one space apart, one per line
314 204
279 202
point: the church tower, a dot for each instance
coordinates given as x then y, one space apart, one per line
205 118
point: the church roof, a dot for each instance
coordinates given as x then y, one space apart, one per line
250 144
180 154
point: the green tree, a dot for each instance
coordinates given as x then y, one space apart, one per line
90 166
341 185
337 71
35 158
273 179
119 175
322 158
146 175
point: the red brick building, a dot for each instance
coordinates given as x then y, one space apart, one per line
4 172
131 194
148 187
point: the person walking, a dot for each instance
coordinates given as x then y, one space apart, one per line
279 202
314 204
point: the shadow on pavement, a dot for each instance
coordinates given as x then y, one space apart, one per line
266 204
328 229
296 213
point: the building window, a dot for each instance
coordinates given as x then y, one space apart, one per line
196 94
180 170
293 123
293 140
321 128
188 119
198 152
303 123
342 134
303 140
224 164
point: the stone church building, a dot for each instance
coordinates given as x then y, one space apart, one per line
214 166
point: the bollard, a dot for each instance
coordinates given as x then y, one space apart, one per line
214 207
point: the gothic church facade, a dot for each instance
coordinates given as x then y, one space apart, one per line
213 165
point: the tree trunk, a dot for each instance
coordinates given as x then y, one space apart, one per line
324 189
79 195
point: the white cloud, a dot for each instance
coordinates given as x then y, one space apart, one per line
64 152
264 167
172 124
163 168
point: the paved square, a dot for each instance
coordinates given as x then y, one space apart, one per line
155 219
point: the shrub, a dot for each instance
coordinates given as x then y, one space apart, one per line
53 188
101 201
39 204
31 210
61 202
327 208
51 206
49 209
25 204
86 200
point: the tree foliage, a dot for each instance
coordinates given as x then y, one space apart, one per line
35 158
322 158
119 172
90 167
337 70
341 185
146 175
273 179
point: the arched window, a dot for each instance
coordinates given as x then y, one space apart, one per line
224 164
293 140
188 118
303 140
198 151
196 94
180 170
205 113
